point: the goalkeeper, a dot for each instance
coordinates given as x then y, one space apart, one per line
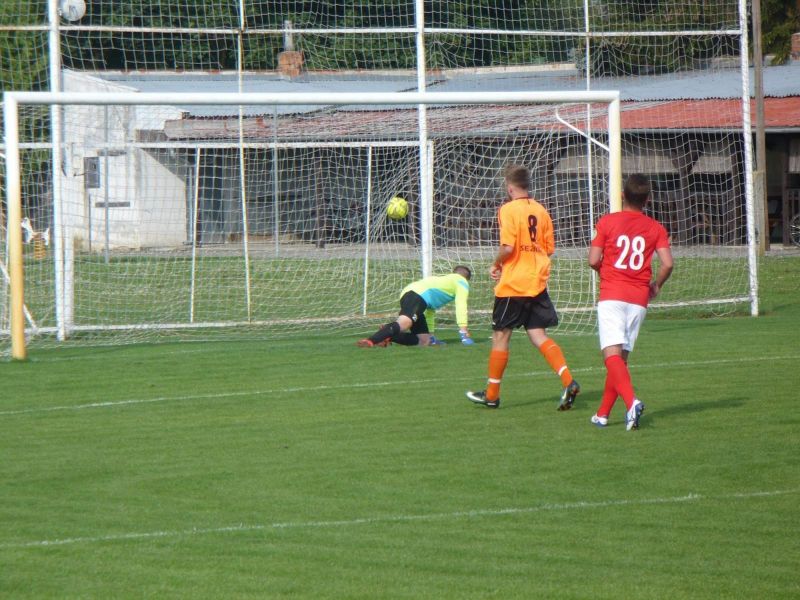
418 303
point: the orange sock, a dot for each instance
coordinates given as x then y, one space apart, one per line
498 359
555 358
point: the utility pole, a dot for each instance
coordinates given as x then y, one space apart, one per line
760 175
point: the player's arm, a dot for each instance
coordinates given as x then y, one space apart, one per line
430 319
508 241
503 255
462 296
664 270
595 257
548 236
596 247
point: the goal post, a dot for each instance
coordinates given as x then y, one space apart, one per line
14 228
276 218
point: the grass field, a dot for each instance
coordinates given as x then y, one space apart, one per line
309 468
154 293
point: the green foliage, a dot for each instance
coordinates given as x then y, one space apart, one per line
779 20
645 55
23 54
631 55
24 57
23 12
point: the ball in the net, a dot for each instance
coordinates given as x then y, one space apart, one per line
397 208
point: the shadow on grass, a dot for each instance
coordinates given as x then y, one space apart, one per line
696 407
540 402
651 414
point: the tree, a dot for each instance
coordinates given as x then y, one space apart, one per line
779 20
23 54
644 55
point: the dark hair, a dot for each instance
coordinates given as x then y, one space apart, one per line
518 176
637 190
463 270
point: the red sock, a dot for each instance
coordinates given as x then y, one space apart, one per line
555 358
608 399
498 359
621 378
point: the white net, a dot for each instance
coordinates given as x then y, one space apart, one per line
291 184
171 223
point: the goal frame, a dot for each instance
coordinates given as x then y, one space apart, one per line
12 101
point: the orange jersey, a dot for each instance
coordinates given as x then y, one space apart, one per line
526 226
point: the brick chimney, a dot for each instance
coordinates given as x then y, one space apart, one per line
290 61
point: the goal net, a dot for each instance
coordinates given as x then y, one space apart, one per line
271 188
192 214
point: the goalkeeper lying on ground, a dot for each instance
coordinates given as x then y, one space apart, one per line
418 303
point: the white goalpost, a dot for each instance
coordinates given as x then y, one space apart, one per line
189 228
192 221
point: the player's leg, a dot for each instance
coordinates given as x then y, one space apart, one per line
618 325
541 315
387 333
412 306
554 356
607 401
498 360
406 338
505 317
619 374
418 334
609 397
612 329
552 353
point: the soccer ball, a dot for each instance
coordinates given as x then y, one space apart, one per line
397 208
72 10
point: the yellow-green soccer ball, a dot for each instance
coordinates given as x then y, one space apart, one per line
397 208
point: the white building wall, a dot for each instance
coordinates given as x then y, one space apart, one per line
139 203
162 214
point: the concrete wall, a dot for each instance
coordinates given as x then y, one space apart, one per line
140 198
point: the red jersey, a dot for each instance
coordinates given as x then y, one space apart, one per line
628 239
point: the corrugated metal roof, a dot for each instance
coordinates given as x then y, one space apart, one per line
369 124
779 113
779 81
675 115
686 100
259 83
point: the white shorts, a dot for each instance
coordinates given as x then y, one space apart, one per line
618 323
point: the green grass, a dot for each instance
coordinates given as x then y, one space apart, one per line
308 468
135 290
161 289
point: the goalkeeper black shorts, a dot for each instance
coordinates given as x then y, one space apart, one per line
413 306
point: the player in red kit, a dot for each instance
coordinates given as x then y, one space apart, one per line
622 252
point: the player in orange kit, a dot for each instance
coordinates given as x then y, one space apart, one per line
521 269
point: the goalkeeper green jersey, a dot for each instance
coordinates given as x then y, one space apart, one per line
439 290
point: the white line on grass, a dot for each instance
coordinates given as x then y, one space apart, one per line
321 388
467 514
216 396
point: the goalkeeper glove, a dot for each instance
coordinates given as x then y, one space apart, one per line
465 339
